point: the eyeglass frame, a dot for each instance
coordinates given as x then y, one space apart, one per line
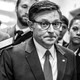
47 27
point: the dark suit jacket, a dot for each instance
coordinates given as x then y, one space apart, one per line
78 64
77 61
21 62
5 33
11 32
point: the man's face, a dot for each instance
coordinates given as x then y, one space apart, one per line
46 36
22 11
63 30
75 32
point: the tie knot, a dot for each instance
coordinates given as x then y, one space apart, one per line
19 32
47 53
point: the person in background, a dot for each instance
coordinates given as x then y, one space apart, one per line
63 30
23 23
3 36
74 44
21 28
39 57
20 31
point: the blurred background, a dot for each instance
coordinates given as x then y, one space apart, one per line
69 8
7 13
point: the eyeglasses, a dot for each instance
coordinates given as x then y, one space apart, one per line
45 25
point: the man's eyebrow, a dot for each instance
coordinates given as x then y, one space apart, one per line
24 5
57 20
45 20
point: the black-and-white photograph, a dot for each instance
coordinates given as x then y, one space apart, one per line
39 39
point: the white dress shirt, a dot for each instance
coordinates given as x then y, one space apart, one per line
76 52
24 30
52 58
60 42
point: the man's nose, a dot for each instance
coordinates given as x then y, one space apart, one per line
26 11
60 29
78 33
51 29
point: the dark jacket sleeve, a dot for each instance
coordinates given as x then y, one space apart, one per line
6 65
74 77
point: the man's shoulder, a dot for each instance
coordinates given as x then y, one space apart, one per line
66 51
16 50
18 47
68 54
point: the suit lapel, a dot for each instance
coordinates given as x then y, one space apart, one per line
33 61
61 63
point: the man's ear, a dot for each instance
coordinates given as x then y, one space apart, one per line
32 25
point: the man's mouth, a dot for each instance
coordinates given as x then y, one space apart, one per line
76 38
50 37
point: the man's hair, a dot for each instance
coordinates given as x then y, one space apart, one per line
65 20
77 17
42 6
18 1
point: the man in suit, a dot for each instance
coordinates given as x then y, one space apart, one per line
74 44
14 35
23 22
63 30
39 57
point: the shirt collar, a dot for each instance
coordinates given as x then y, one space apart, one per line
53 51
41 50
24 30
76 51
60 42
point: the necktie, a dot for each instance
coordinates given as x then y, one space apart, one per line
77 54
17 37
47 67
18 34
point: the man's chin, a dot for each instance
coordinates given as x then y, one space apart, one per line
25 23
76 42
49 43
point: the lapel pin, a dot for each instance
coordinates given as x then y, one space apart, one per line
63 60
